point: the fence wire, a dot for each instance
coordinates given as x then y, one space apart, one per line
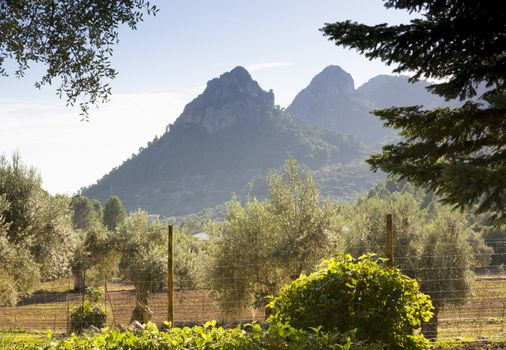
470 305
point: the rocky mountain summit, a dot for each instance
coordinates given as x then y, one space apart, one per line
217 107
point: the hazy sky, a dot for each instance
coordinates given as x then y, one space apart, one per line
165 64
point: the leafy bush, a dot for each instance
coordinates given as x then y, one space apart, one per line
89 313
361 297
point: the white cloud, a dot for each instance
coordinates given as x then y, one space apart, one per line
267 65
71 153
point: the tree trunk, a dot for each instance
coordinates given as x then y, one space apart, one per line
141 312
79 285
429 329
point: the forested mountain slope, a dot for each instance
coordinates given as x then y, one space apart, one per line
225 137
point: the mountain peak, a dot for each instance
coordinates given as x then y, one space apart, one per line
240 71
334 78
225 100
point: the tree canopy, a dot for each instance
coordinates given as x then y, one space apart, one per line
73 39
459 153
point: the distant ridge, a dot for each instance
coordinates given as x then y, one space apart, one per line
331 101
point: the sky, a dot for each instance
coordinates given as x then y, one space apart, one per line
165 64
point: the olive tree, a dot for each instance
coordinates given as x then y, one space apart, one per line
18 270
33 220
262 245
143 247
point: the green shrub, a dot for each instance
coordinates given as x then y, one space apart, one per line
359 297
90 313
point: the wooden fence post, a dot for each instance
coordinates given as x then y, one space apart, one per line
68 307
390 241
170 280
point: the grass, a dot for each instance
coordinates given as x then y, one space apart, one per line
483 314
17 336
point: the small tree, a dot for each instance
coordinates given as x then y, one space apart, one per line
96 249
18 271
241 268
90 313
53 248
446 264
144 259
34 222
363 228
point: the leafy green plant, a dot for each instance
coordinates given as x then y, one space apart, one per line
359 297
90 313
209 336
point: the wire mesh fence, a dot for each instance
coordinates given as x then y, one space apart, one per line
469 293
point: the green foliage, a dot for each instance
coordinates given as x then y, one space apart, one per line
85 212
363 228
208 336
114 213
54 246
426 46
36 236
94 295
21 188
189 257
143 246
435 245
495 238
446 260
264 244
375 303
18 271
96 252
144 253
78 59
457 153
90 313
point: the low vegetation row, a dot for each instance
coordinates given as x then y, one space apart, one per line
346 304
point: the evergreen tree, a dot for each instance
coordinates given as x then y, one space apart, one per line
85 212
114 213
459 153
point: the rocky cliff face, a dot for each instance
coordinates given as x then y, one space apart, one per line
227 100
